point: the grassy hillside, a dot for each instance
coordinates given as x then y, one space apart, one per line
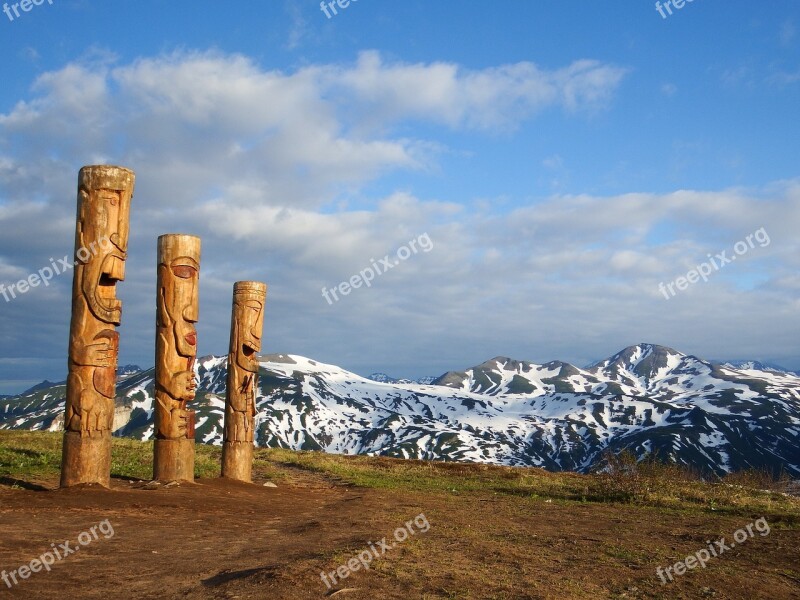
37 456
495 532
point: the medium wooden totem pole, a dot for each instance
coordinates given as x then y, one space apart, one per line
176 350
101 245
247 324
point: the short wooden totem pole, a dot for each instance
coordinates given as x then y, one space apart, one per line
176 350
247 324
101 245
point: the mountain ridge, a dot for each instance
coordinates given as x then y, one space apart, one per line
646 398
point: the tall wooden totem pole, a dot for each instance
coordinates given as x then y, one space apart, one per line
101 245
176 350
247 324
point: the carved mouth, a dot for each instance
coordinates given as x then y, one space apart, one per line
191 338
111 271
106 281
107 286
248 351
103 299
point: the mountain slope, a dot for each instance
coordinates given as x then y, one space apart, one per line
646 398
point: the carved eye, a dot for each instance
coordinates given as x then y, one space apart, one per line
184 271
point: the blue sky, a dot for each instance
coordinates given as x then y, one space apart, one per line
564 159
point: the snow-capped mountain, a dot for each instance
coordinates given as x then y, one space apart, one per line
645 398
128 370
754 365
384 378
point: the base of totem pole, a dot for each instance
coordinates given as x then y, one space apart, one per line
173 460
86 459
237 461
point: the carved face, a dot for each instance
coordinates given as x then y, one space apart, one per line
183 385
179 294
250 324
103 245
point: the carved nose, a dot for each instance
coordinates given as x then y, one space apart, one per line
117 240
190 313
117 269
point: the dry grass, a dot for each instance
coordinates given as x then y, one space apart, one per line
35 455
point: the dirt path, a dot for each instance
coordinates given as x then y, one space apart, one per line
218 539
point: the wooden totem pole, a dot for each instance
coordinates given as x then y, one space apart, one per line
247 324
101 245
176 350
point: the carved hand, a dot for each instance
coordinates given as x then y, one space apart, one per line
175 424
180 421
101 354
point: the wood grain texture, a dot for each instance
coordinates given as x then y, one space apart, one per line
247 324
101 246
176 350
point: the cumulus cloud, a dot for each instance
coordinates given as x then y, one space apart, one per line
486 99
217 121
256 161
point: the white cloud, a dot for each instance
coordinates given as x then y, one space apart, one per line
486 99
255 161
208 127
